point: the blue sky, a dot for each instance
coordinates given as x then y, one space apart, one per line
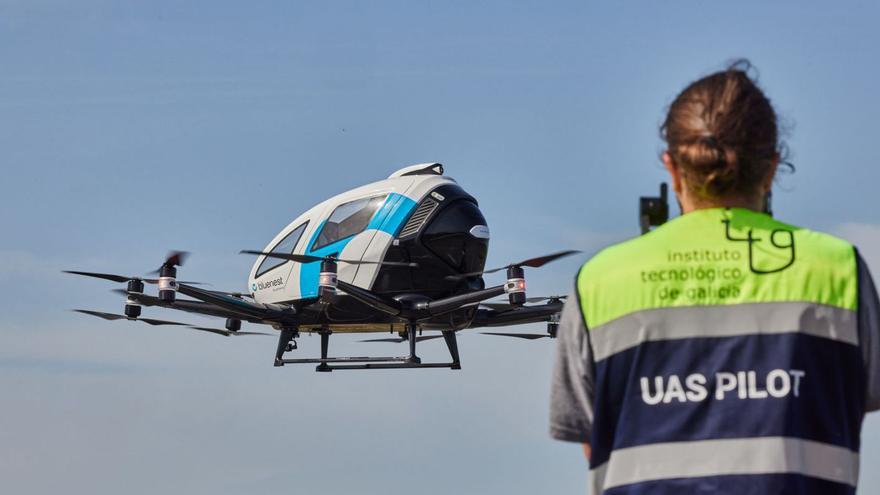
131 128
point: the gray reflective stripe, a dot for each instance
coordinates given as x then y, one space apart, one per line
648 325
738 456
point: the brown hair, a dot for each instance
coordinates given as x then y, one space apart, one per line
722 132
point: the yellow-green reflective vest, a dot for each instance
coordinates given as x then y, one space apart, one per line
726 354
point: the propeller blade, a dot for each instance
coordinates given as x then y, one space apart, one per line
545 298
299 258
174 258
543 260
527 336
461 276
106 276
403 264
122 279
536 262
155 281
151 321
226 333
217 331
99 314
531 262
113 317
504 305
305 258
239 295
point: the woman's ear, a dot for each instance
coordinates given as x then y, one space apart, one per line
684 203
771 174
674 172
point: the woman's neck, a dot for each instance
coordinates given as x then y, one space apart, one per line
689 203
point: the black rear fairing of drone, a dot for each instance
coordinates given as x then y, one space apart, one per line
445 235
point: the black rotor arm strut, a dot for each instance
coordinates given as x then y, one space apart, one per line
518 316
452 303
385 305
253 309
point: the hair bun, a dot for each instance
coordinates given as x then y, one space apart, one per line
711 165
721 132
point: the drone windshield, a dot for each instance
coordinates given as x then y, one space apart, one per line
285 246
348 219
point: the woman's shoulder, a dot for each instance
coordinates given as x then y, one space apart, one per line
617 256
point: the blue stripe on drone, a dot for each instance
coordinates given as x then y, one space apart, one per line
389 218
393 214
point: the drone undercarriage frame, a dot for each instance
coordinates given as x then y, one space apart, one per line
327 363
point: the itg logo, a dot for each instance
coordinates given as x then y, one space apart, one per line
786 243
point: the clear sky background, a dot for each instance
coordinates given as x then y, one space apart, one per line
131 128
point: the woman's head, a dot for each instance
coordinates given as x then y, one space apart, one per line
722 141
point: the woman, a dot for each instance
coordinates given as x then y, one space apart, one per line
725 351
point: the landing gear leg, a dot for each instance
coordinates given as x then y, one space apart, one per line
287 335
411 330
325 345
452 344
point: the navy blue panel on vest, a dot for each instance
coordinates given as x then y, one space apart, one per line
828 407
755 484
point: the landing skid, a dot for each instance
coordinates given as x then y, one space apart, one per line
326 363
368 363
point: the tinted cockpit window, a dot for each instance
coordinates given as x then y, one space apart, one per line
286 246
348 219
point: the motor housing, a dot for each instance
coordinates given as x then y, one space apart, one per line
327 280
516 286
167 283
132 307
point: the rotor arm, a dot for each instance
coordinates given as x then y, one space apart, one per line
420 310
519 316
440 306
199 307
371 299
252 309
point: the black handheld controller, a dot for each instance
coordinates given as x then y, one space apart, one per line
654 210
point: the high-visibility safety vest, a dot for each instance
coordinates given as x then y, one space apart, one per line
726 356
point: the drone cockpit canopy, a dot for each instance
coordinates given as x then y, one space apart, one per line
416 216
